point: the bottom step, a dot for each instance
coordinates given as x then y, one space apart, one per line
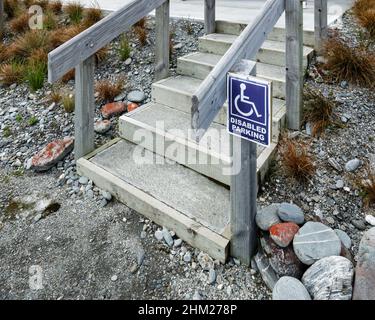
169 194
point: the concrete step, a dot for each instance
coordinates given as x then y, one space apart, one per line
199 65
277 34
171 195
167 132
271 52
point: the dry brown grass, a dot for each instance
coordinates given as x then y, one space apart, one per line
141 23
24 45
108 90
318 110
367 186
62 35
12 8
20 24
42 3
364 10
55 6
101 54
38 56
70 75
55 96
75 12
92 16
141 34
355 65
11 73
296 159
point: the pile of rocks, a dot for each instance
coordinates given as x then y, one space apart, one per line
301 260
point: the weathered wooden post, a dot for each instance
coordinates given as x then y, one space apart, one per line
1 16
294 62
243 193
162 41
209 16
84 108
321 24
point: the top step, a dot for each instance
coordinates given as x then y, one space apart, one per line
277 34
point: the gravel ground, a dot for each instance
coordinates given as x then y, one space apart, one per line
333 196
88 249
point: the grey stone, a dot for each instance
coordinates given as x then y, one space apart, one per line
267 217
334 164
339 184
359 224
205 261
177 243
167 237
114 278
140 256
197 296
83 180
345 239
353 165
136 96
266 271
103 203
370 220
102 126
289 288
187 256
291 213
159 235
106 195
330 279
211 276
315 241
364 285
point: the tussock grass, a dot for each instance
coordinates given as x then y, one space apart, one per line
11 73
296 160
25 45
141 34
68 103
12 8
124 48
318 110
75 12
364 11
367 186
108 90
92 16
55 6
35 74
20 23
355 65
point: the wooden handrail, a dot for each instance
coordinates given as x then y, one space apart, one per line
211 94
321 23
87 43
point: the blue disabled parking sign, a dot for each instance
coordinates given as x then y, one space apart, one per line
249 109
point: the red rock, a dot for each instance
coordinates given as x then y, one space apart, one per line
283 233
132 106
113 109
51 154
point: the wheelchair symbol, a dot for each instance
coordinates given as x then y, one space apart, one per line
244 99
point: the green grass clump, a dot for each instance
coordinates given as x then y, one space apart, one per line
124 48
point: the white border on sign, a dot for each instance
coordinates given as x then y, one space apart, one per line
249 78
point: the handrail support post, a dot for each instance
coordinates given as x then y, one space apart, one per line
162 41
209 16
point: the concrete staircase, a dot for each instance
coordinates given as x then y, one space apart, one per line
159 171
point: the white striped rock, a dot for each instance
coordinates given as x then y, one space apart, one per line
315 241
289 288
266 271
364 286
330 278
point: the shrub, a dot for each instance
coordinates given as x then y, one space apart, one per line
92 16
356 65
108 90
124 48
367 186
141 34
296 160
11 73
20 24
12 8
75 12
55 6
49 21
318 110
68 103
35 74
364 10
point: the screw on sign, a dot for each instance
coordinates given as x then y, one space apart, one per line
249 113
